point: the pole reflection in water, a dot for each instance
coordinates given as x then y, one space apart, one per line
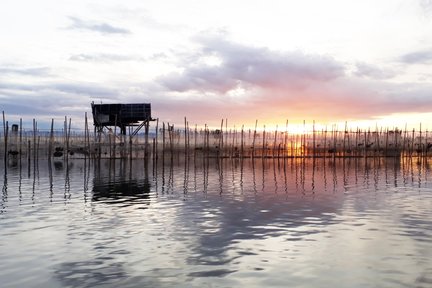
222 222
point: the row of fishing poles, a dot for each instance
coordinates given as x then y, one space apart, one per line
208 142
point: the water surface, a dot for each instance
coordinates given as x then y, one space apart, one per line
216 223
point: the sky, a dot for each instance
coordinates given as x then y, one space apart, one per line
366 62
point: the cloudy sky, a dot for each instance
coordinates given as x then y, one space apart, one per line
366 62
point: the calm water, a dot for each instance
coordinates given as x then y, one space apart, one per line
209 223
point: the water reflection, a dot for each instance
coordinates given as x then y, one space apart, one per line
112 184
216 222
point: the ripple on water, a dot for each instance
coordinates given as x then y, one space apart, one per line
338 224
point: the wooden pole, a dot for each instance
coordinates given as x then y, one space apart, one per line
34 141
147 126
263 143
163 137
29 153
286 138
404 140
242 142
51 140
20 139
5 138
156 138
313 139
274 142
221 137
185 136
68 137
253 140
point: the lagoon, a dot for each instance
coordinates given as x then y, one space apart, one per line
203 222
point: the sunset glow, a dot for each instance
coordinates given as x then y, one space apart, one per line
361 62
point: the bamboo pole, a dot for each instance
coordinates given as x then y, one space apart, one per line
325 142
68 138
156 138
404 139
185 136
20 139
29 153
286 138
313 139
51 140
146 142
5 137
242 142
163 137
253 140
221 137
34 140
274 142
263 143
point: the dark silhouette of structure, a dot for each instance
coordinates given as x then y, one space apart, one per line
122 116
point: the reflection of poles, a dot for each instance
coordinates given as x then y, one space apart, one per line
50 178
4 189
86 178
254 177
67 194
313 174
241 176
274 175
186 175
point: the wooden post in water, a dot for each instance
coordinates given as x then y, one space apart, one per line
64 138
163 137
420 144
87 140
146 142
253 140
5 139
334 140
274 141
242 142
68 138
263 143
195 139
221 138
304 140
156 138
404 141
285 146
386 142
377 140
185 136
325 142
51 140
29 153
344 140
20 139
34 140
